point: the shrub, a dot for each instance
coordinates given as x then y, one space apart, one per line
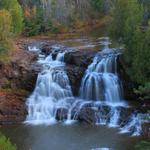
5 25
126 27
5 143
143 91
143 145
15 10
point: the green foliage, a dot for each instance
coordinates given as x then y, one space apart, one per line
143 91
35 24
5 33
4 46
126 27
143 145
137 56
126 17
15 10
5 143
5 25
98 5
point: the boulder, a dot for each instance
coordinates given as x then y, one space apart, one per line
87 115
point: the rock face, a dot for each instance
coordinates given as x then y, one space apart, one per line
19 73
146 130
12 107
76 65
17 79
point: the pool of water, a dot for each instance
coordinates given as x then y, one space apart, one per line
73 137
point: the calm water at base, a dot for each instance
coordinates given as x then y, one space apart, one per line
73 137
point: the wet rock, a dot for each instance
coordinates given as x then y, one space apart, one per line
81 58
75 75
76 65
61 114
46 48
146 130
87 115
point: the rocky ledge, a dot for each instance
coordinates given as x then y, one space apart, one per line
17 79
12 107
21 72
76 65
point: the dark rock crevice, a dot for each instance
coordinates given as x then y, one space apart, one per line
76 64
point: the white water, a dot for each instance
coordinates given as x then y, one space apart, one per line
52 90
134 125
100 89
101 81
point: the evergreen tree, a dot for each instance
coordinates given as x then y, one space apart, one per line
16 12
126 25
5 25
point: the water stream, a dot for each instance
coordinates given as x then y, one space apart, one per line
100 88
101 92
51 91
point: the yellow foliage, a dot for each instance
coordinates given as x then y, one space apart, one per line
5 24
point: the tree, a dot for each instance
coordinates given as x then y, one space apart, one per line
126 27
16 12
137 54
143 145
126 17
5 25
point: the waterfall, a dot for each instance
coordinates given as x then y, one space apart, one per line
52 88
100 92
101 81
134 125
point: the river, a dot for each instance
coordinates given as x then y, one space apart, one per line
100 90
72 137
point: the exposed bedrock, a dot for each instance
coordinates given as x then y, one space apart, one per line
19 74
76 65
17 81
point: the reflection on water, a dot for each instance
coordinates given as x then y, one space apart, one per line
74 137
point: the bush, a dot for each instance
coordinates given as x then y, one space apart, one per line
98 5
137 56
143 145
5 25
126 28
35 25
15 10
5 143
143 91
5 34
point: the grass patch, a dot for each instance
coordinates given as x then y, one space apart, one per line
6 47
5 143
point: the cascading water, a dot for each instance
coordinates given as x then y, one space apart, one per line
52 88
101 83
100 91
